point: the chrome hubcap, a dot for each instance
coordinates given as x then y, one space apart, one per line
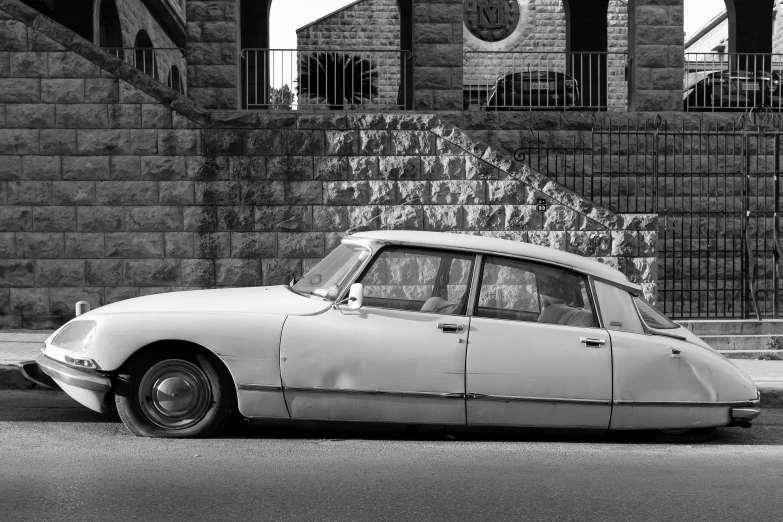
175 394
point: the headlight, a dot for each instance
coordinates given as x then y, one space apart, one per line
76 337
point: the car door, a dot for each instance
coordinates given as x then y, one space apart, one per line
399 358
536 356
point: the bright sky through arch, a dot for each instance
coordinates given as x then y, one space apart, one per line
699 12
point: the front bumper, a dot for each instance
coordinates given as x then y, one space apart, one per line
89 388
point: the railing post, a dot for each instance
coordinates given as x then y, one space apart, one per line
776 227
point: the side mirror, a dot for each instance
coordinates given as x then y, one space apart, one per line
355 297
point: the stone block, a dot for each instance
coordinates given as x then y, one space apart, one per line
625 243
443 167
417 143
168 168
82 116
103 272
224 142
16 272
556 240
402 217
30 301
100 219
179 142
235 218
61 272
7 245
342 142
484 217
155 116
507 192
559 217
127 193
39 245
101 90
30 116
54 219
280 271
153 219
103 141
307 143
434 33
58 142
152 272
200 219
300 244
374 142
590 243
413 192
304 193
29 65
143 141
19 141
212 246
62 301
29 193
266 142
253 245
364 218
458 192
73 193
523 217
41 168
134 245
198 272
441 218
290 167
330 219
399 167
179 244
18 90
85 168
330 168
177 193
13 35
71 65
124 168
116 294
124 116
16 219
641 270
238 272
347 193
363 168
283 218
62 91
11 167
261 193
82 245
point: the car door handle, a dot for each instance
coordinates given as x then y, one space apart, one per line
451 328
592 342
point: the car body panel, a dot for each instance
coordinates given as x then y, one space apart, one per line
533 89
533 374
655 387
336 366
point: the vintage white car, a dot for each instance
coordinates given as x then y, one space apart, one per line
405 327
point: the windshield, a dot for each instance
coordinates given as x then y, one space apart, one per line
652 317
328 277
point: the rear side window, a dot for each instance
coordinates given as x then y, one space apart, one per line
617 309
522 291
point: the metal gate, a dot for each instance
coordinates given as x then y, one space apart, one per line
716 191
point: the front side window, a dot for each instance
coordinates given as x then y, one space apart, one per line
420 280
522 291
329 277
652 317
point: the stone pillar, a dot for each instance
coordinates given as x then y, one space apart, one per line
212 53
437 54
656 39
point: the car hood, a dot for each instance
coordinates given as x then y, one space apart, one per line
260 299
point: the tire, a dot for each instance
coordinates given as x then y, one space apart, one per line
147 388
683 435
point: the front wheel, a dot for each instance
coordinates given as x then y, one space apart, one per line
174 392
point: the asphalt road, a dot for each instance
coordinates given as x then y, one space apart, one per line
59 461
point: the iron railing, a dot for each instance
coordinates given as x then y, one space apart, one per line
732 81
165 64
325 78
513 80
716 191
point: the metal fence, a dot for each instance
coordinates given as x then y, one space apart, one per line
716 191
732 81
326 78
513 80
165 64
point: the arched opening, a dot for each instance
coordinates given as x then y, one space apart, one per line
144 54
76 15
109 26
586 48
255 67
175 80
750 26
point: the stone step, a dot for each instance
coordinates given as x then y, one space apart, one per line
765 355
744 342
734 327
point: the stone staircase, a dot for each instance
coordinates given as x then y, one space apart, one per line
741 339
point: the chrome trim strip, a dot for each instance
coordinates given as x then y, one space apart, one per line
686 403
348 391
509 398
260 387
70 375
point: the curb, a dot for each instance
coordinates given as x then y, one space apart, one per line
11 378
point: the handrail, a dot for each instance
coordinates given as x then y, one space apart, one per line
754 277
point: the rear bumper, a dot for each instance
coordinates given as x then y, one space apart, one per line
746 413
89 388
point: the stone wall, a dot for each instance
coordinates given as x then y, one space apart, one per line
114 186
367 24
212 52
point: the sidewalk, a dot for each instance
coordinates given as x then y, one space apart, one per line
24 345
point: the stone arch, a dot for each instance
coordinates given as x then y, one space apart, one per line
587 35
108 27
144 54
76 15
750 25
175 80
254 17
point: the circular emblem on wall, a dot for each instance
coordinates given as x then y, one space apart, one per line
491 20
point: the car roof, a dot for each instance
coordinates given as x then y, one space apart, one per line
491 245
